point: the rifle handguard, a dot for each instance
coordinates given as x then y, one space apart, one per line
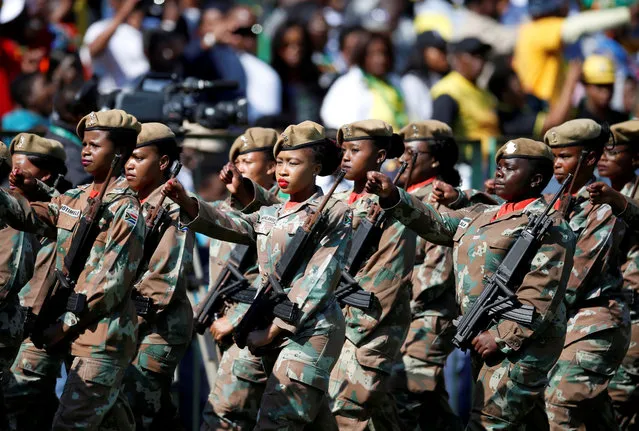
349 292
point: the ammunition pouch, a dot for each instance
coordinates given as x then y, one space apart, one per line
349 292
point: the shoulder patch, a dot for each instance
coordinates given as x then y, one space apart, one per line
70 211
131 216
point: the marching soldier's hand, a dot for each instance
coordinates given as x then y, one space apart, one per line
175 191
443 193
263 337
489 186
221 328
485 345
22 181
232 177
382 186
601 193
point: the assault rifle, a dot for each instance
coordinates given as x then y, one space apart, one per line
271 295
498 300
62 297
155 227
366 238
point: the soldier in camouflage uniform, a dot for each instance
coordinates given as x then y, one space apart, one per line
510 361
599 325
360 380
241 378
165 330
102 338
618 165
298 358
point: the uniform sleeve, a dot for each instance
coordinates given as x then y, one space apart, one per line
594 246
435 273
261 197
162 276
467 198
542 288
39 218
425 220
224 224
107 286
312 289
631 214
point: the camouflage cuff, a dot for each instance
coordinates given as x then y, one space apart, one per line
501 343
462 200
252 206
185 220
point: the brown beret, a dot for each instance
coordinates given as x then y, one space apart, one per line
296 136
524 148
364 130
155 134
573 133
427 130
253 139
626 133
30 144
108 120
5 155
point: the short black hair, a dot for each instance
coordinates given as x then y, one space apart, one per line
22 88
123 140
346 31
500 79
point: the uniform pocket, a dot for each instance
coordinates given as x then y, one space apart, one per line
38 363
595 363
66 222
378 354
100 373
308 374
527 375
249 370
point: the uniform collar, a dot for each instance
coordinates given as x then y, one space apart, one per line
418 186
313 201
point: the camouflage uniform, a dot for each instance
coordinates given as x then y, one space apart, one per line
508 392
623 388
165 336
241 378
298 368
104 337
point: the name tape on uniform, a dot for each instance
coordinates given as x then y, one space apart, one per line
70 211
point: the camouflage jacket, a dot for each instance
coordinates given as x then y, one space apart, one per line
630 249
164 279
108 326
17 261
433 273
386 272
479 245
271 229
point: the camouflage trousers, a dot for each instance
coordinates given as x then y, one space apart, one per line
417 382
577 395
147 385
624 386
235 400
91 390
11 326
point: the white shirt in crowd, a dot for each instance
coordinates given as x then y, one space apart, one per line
263 87
123 60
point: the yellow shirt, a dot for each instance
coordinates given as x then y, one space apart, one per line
477 118
538 57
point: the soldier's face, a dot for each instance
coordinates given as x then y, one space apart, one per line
296 170
97 153
144 168
513 179
21 161
360 157
616 162
423 168
566 160
257 167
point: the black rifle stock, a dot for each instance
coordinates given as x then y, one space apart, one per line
498 300
61 296
155 227
366 237
271 297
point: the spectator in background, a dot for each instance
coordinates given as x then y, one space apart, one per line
470 110
369 90
114 47
630 96
522 114
426 66
538 56
291 51
480 19
32 94
263 85
598 78
349 39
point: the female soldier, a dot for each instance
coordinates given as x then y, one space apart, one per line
359 381
299 366
511 361
103 335
165 329
19 249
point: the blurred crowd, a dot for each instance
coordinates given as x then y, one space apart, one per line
486 67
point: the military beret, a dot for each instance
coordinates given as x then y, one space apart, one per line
253 139
524 148
573 133
364 130
309 134
626 133
427 130
108 120
30 144
5 155
155 134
